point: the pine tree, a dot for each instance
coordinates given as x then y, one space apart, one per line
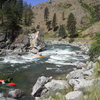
20 7
71 25
48 25
46 14
54 22
97 12
28 15
12 14
1 11
62 31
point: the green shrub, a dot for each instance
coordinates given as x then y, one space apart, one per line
95 47
94 50
94 91
71 40
97 69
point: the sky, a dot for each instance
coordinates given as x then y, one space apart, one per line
34 2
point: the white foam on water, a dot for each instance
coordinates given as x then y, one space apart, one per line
25 67
52 61
54 55
49 68
20 59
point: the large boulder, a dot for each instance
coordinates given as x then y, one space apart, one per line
17 93
21 44
81 84
88 72
77 74
56 85
90 65
38 87
75 95
37 41
99 58
81 65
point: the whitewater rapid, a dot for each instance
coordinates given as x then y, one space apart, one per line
57 56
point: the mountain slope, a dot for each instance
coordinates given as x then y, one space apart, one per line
67 6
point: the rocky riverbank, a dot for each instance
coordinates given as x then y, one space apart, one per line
33 42
78 81
83 46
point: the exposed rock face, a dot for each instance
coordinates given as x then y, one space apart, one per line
37 41
2 36
90 65
2 39
38 87
17 93
81 65
75 95
20 44
77 74
99 58
23 43
56 85
81 84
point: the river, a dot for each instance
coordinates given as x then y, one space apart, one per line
25 69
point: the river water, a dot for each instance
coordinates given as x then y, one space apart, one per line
25 69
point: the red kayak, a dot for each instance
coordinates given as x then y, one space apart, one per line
9 84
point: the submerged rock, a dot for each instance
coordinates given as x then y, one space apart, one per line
17 93
75 95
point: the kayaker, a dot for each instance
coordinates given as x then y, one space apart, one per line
40 54
8 80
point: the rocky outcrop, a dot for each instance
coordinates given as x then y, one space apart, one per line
37 41
81 65
44 87
77 74
2 36
81 84
75 95
99 58
34 42
21 44
2 39
90 65
38 87
56 85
